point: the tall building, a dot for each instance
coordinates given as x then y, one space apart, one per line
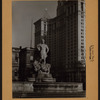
25 63
22 63
66 40
15 63
41 27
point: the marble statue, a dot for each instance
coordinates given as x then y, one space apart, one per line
41 66
43 48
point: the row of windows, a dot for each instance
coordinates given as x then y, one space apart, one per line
82 16
82 23
82 33
82 58
72 50
82 29
72 59
72 9
71 54
82 43
72 36
82 36
82 19
82 40
71 20
82 53
72 45
69 10
82 26
72 30
71 24
72 41
82 13
82 46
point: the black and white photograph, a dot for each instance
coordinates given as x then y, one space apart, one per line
49 49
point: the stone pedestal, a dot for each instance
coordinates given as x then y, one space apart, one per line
52 80
22 87
57 87
45 83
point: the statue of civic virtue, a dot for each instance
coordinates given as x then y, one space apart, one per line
43 48
41 66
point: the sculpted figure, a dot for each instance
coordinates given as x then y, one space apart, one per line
40 65
43 48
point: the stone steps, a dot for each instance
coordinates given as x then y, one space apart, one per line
47 89
57 87
49 95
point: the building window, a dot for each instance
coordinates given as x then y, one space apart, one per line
82 43
82 19
82 16
16 57
68 10
82 53
82 26
71 9
82 30
82 39
81 6
82 57
82 33
75 7
82 46
82 36
82 50
82 23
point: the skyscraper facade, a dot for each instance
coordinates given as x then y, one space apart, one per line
66 40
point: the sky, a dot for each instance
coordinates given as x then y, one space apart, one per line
23 14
